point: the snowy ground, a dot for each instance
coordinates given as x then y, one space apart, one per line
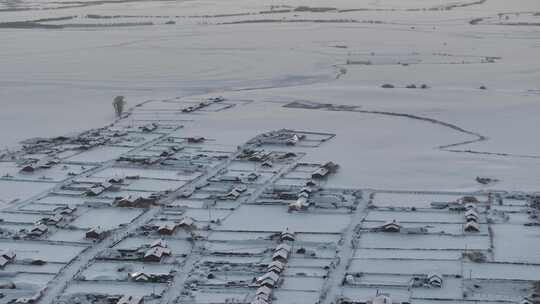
304 65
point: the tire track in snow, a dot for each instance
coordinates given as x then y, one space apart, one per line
447 148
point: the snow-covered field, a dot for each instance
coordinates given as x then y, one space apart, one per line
429 107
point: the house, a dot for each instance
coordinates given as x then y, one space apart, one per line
115 180
149 127
38 230
52 220
127 299
264 292
159 243
472 226
139 277
471 215
392 226
29 300
303 194
267 164
434 280
3 262
469 199
281 256
269 279
283 246
382 299
131 201
275 266
156 254
96 233
65 210
252 176
259 300
320 173
331 167
29 168
195 140
167 229
527 301
234 194
187 222
311 183
8 255
95 190
301 204
287 235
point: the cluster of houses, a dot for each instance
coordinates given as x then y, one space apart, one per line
137 201
157 251
33 165
271 279
60 214
234 193
169 228
279 137
471 220
202 104
431 280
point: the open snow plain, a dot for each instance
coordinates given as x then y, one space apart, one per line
323 151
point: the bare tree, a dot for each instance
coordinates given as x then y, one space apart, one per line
119 104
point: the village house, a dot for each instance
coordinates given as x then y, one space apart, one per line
97 189
155 254
259 300
287 235
392 226
320 173
269 279
471 215
52 220
3 262
139 277
264 292
128 299
301 204
276 266
8 255
159 243
281 256
149 127
65 210
187 223
132 201
195 139
96 233
267 164
167 229
331 167
472 226
38 230
382 299
434 280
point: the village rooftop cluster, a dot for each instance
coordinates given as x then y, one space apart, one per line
147 211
